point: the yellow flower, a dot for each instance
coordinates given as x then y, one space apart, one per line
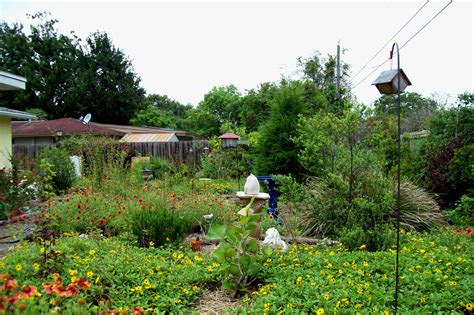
72 272
365 263
422 300
2 264
18 267
157 297
386 312
151 243
42 250
326 296
363 246
299 280
469 307
185 291
197 258
320 311
90 274
92 252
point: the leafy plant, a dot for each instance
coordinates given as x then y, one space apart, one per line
62 167
238 254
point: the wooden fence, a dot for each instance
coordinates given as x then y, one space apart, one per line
188 152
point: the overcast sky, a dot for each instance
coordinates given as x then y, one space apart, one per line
183 49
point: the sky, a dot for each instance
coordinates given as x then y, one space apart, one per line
184 49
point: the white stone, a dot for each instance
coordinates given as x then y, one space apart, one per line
252 186
273 239
76 162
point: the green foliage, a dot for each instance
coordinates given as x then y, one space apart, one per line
463 212
414 109
66 78
218 106
455 122
238 254
62 170
275 152
47 178
102 157
461 170
161 111
159 225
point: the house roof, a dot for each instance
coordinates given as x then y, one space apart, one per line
68 127
149 137
229 136
12 113
10 81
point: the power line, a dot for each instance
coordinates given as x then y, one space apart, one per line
427 24
390 40
404 44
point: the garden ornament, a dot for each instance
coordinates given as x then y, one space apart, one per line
252 186
273 239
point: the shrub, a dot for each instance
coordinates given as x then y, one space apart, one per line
418 210
159 225
463 213
61 165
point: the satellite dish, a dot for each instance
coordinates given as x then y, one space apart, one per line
87 119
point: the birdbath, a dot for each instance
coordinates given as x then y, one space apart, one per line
251 190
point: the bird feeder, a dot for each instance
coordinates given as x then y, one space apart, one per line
229 140
387 82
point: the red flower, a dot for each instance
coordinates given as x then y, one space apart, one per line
27 291
57 278
140 201
137 310
468 231
79 206
10 283
61 291
101 222
59 218
457 232
82 283
12 300
135 196
78 217
119 212
92 220
67 199
48 288
3 197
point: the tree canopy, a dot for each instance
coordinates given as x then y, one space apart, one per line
66 77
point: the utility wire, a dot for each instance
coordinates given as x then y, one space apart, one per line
390 40
404 44
426 24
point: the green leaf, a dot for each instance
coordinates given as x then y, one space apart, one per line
217 232
251 246
219 253
267 250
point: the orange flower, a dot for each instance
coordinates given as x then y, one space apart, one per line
10 283
82 283
57 278
270 217
457 232
137 310
48 287
27 291
468 232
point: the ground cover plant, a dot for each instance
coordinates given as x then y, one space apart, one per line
98 274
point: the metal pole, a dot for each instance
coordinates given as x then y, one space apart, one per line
338 70
397 284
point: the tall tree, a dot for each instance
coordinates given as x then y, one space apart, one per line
106 85
219 105
161 111
66 79
275 152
